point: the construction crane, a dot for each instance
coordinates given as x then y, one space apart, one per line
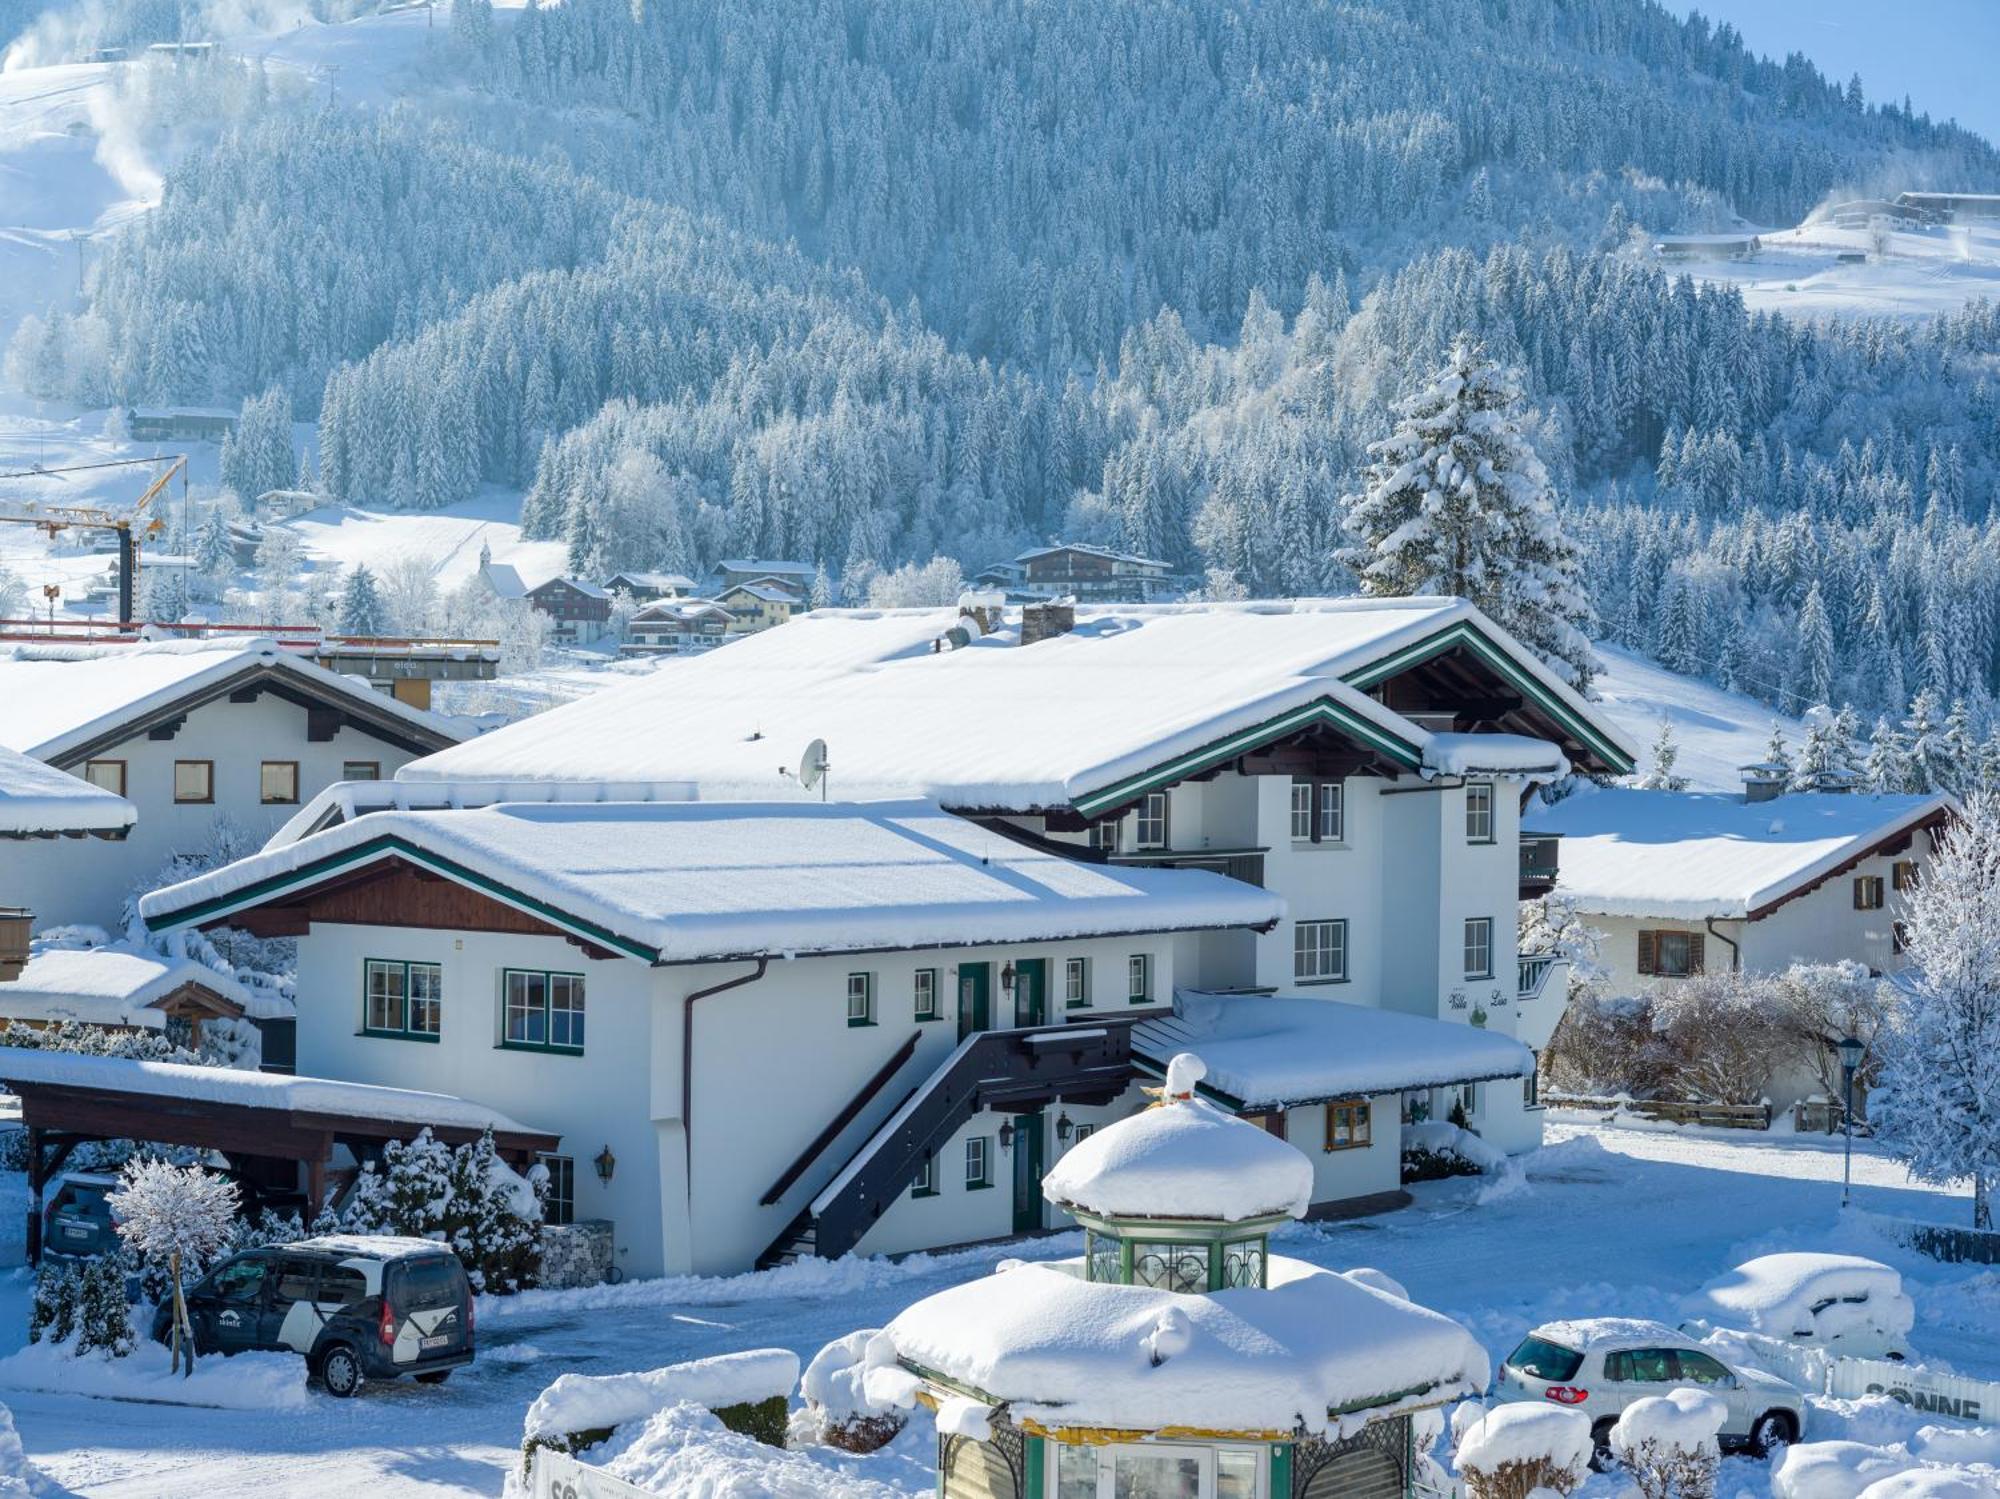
129 530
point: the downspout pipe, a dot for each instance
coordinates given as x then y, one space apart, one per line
1735 951
687 1057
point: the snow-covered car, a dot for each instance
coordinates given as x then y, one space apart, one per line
78 1219
1600 1365
1840 1302
358 1306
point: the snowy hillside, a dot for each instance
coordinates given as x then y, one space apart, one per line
1716 730
1917 273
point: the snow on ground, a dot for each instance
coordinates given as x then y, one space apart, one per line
342 535
1925 271
1717 730
1614 1220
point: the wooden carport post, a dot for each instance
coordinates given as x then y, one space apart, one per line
40 1169
316 1166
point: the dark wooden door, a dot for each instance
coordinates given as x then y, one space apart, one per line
975 1008
1027 1172
1031 991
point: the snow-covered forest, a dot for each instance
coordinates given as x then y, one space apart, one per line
871 281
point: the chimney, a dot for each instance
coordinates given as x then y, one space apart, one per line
1046 621
1764 781
985 608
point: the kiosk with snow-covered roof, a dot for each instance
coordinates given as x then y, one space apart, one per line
1178 1358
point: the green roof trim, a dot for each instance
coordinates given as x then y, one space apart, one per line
1464 633
373 850
1323 710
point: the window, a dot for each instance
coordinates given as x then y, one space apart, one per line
978 1163
1898 936
1479 947
926 1184
1149 823
278 782
559 1206
1531 1085
340 1286
1699 1368
1318 811
241 1281
402 1000
1319 952
1139 978
1671 955
1903 874
361 770
109 775
1348 1125
1104 835
1076 983
1171 1267
924 992
541 1011
1479 813
1640 1366
298 1280
1156 1470
1868 892
861 999
194 780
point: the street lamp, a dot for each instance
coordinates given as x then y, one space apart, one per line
1850 1062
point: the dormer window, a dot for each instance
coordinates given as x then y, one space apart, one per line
1149 822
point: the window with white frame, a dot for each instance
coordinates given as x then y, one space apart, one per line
1479 947
1149 822
1319 951
1332 812
1302 811
1076 983
559 1206
978 1162
541 1011
861 999
1479 813
926 1183
402 1000
1531 1085
1139 978
1104 834
924 995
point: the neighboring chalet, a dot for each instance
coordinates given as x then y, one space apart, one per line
646 588
179 423
760 605
732 572
1055 851
1954 207
126 988
1684 883
581 611
677 627
1093 575
175 737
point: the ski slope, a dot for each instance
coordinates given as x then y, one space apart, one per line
1716 730
1921 271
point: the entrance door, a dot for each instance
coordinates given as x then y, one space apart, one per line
1031 991
1027 1172
974 1005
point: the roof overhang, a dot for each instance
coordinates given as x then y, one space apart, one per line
1936 817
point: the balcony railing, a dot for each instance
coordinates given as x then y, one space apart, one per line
1538 864
1534 974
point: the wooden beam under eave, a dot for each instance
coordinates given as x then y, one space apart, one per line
322 724
269 921
167 730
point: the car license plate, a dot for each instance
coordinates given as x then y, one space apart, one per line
437 1341
72 1231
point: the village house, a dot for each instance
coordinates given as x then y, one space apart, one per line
581 611
758 606
186 735
1093 575
733 572
121 987
645 588
1685 883
677 627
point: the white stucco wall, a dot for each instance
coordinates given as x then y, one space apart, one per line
71 880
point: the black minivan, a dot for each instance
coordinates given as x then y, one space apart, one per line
358 1306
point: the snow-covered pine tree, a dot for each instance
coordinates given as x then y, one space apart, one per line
1888 771
1812 658
1925 733
103 1315
175 1216
1938 1106
1775 752
1825 761
52 1314
1456 501
361 608
1660 775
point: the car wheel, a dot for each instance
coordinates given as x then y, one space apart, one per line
340 1371
1602 1459
1769 1432
434 1376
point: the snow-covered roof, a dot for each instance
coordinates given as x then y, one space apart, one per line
1067 1353
1688 855
650 580
766 565
1133 694
588 590
1282 1051
693 881
38 800
253 1090
1494 754
681 610
504 579
1085 549
117 985
1182 1159
771 593
63 697
373 1246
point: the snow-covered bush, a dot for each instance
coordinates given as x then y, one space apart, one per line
1723 1035
1833 1470
466 1197
176 1216
836 1395
1931 1483
103 1315
52 1314
1435 1149
747 1392
1668 1443
1605 1044
1517 1448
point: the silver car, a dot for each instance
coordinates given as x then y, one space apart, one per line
1600 1365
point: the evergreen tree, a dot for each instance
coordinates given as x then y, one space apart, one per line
1812 657
1456 501
1660 775
361 610
214 553
1887 770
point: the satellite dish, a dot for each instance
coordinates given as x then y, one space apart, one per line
813 767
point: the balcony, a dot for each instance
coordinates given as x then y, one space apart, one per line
1538 864
1533 974
1245 864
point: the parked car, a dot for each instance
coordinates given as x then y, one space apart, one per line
77 1219
359 1307
1840 1302
1600 1365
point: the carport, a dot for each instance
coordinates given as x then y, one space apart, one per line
257 1120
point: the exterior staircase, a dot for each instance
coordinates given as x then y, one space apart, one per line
1011 1071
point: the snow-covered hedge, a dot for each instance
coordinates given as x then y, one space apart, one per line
1668 1443
1517 1448
747 1392
839 1407
1436 1148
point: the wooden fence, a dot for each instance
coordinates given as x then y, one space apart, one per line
1672 1111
